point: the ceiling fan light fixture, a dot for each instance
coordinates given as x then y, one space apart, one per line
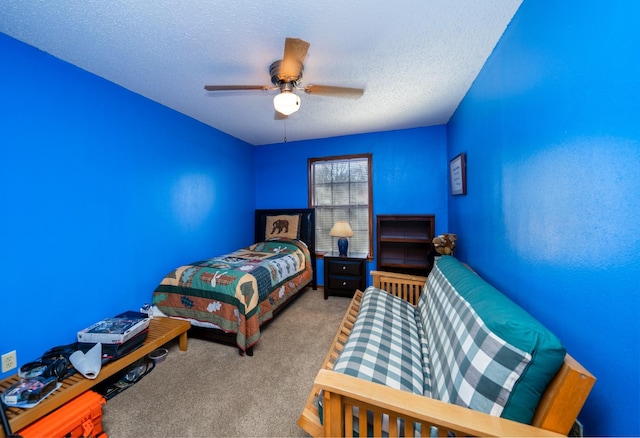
286 102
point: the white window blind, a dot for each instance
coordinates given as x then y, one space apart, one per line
340 190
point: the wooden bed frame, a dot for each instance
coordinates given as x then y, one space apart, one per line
556 412
307 235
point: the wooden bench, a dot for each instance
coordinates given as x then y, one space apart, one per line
555 414
161 331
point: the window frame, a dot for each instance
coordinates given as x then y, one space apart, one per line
310 182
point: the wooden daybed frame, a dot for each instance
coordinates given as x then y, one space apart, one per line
555 415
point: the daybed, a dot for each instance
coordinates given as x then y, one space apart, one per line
445 355
230 297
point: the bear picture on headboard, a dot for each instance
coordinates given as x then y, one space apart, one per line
280 226
284 226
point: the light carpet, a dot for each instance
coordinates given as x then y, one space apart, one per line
212 391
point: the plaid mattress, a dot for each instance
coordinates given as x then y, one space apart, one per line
384 344
470 365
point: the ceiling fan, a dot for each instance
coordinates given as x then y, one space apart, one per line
286 76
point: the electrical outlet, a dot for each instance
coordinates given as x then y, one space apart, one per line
9 361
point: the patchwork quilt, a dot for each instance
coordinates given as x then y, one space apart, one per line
237 292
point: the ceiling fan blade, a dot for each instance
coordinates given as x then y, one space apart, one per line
235 87
326 90
295 51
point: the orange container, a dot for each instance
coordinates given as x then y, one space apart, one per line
81 417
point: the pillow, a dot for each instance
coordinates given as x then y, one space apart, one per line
518 328
287 226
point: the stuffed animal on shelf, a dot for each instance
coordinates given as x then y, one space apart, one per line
445 243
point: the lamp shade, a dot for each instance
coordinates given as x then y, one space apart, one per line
286 102
341 229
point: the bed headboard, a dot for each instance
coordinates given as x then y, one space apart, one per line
307 229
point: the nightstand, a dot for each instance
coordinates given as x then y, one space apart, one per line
343 275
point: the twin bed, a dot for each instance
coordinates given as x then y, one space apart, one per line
229 298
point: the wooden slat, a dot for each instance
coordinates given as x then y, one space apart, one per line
405 286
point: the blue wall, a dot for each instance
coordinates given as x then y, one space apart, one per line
551 132
409 176
94 178
103 192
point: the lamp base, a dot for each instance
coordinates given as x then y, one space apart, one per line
343 245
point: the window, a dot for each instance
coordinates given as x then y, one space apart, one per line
340 190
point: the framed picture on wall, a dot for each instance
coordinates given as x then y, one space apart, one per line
458 174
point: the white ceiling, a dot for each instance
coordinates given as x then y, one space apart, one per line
415 59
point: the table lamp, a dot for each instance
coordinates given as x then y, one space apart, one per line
342 230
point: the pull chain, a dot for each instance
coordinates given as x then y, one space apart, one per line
285 130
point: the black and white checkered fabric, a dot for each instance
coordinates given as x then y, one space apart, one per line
384 344
470 365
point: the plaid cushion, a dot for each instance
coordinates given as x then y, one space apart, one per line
421 315
384 344
470 365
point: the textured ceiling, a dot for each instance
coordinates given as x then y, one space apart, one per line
415 59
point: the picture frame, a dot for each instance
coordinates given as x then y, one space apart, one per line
458 174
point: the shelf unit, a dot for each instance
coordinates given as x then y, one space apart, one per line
404 243
161 331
